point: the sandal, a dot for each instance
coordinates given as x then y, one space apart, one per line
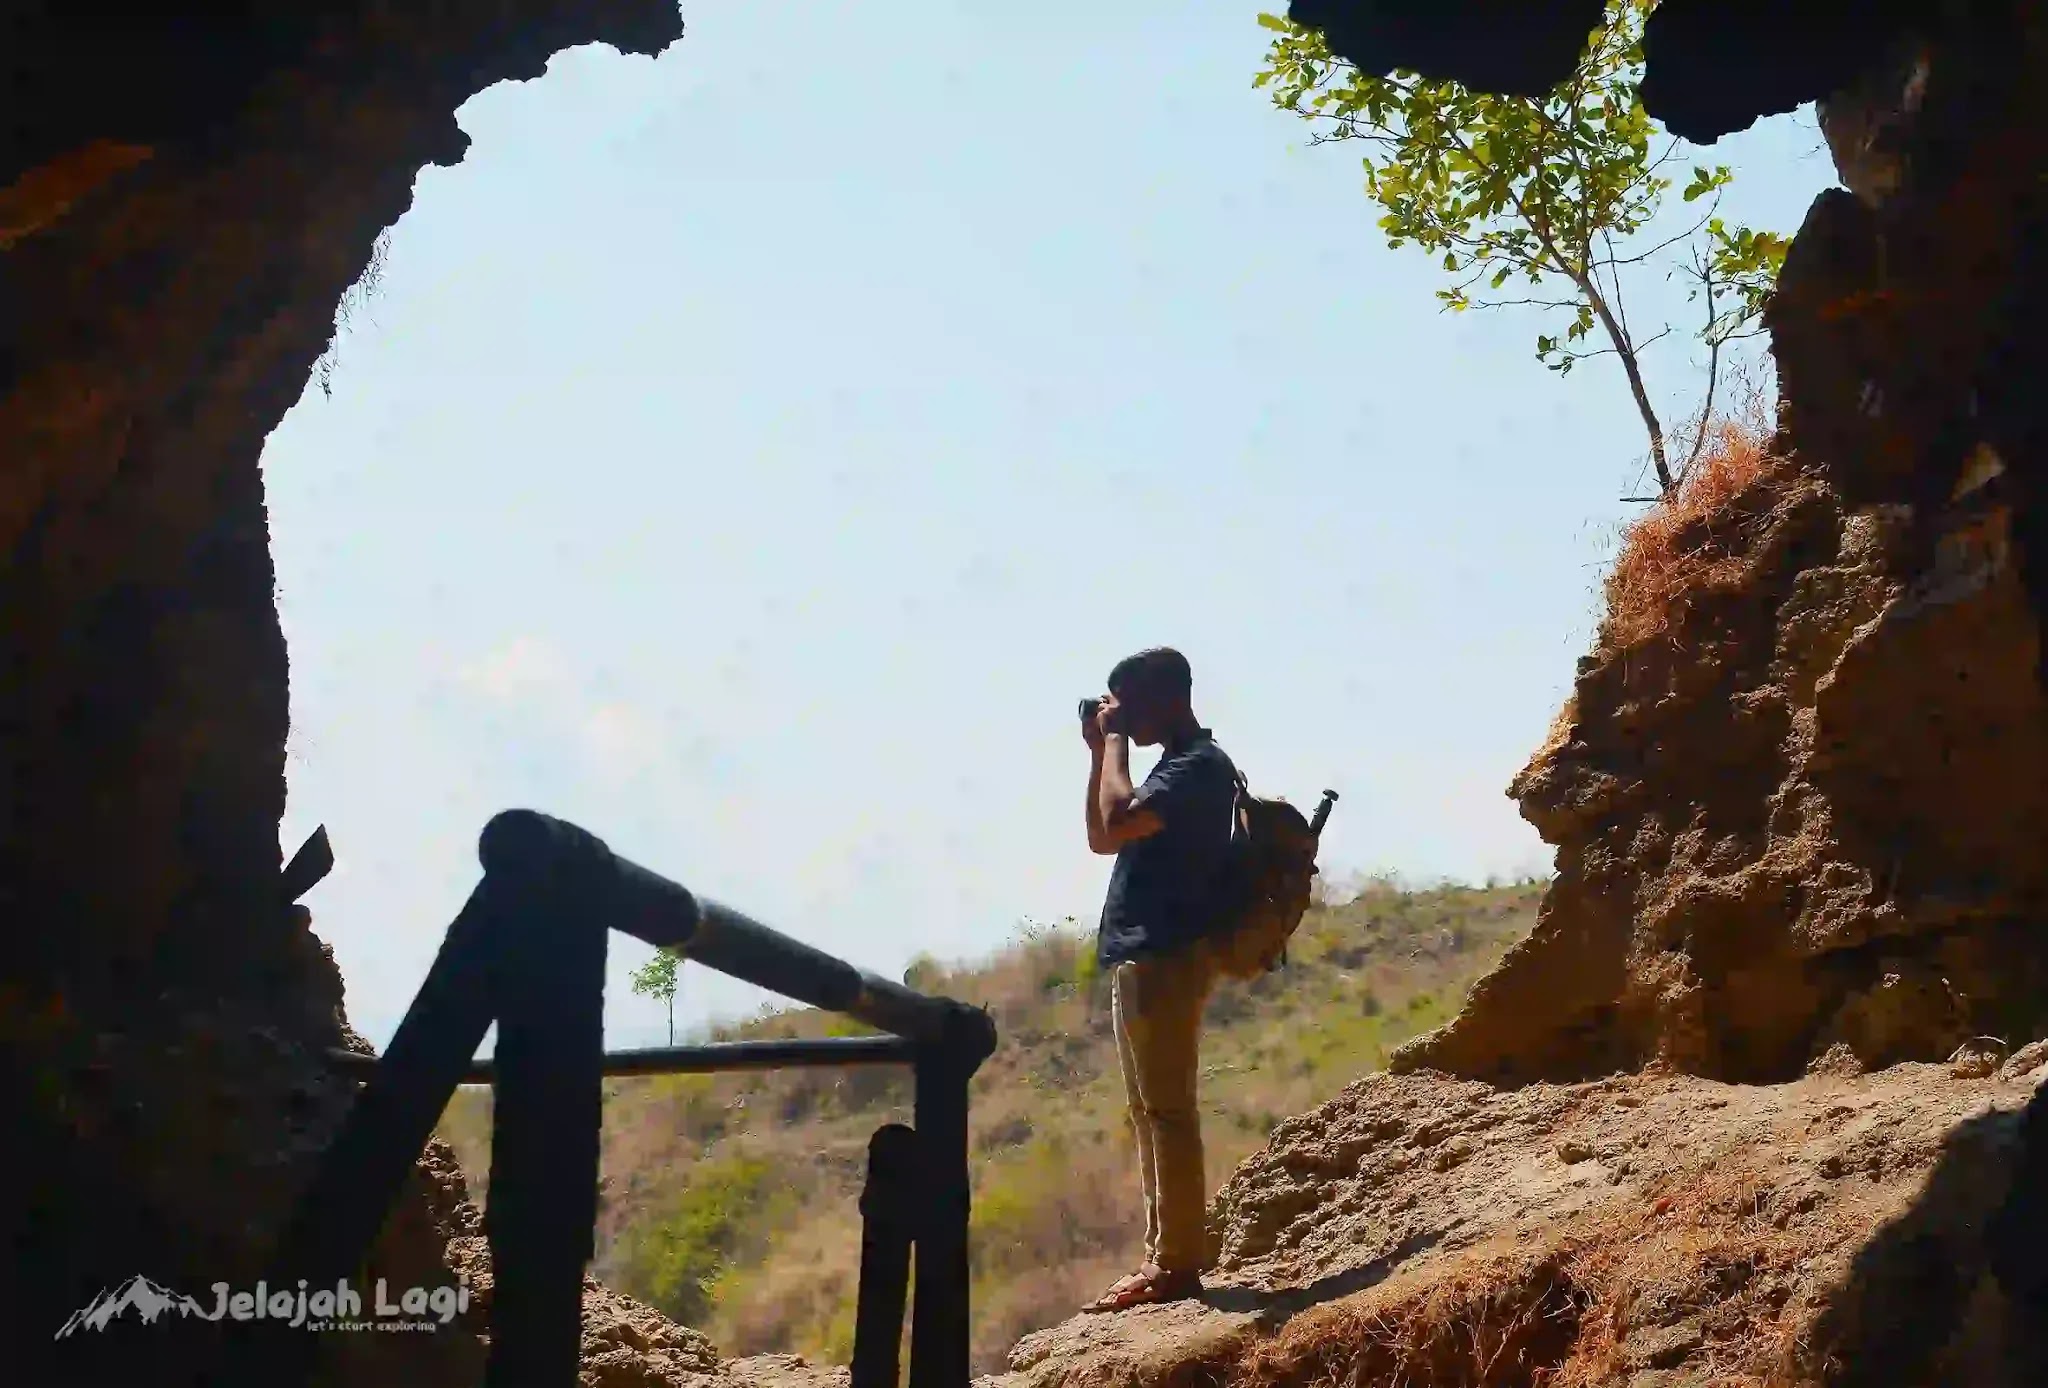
1146 1287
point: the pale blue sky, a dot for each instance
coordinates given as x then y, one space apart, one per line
752 453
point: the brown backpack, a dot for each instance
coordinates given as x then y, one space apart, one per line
1266 884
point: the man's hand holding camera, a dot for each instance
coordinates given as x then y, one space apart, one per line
1098 721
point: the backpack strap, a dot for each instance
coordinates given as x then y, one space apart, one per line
1241 786
1240 802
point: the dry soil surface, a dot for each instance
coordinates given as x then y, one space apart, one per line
1648 1230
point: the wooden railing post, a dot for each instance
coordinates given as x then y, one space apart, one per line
888 1215
549 986
940 1332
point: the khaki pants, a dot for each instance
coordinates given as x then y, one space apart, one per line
1156 1007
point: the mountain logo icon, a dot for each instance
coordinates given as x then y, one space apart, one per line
145 1298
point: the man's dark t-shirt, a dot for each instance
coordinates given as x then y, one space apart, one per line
1163 889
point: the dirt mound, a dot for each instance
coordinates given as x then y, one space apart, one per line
1430 1230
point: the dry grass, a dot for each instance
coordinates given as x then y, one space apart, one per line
1691 541
1498 1318
1714 1251
1560 729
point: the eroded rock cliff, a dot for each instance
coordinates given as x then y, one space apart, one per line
1813 810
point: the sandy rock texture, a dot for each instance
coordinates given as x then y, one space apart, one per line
1432 1230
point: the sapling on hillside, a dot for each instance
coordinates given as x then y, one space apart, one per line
658 979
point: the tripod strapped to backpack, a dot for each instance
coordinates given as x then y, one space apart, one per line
1273 863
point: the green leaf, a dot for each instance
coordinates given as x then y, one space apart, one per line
1274 22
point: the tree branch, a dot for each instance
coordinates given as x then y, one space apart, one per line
1705 270
1661 160
1525 303
1633 369
1609 351
1614 279
1668 242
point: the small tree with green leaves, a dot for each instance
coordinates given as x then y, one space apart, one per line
1550 194
658 978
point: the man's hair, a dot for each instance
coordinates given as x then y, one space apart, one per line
1158 673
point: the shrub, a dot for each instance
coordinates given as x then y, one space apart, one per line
1349 1044
798 1299
1052 1202
675 1253
1087 968
1425 1011
466 1126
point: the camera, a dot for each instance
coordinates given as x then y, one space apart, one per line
1093 702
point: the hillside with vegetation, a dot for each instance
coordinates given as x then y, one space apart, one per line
728 1201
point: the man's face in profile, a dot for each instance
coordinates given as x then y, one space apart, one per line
1134 714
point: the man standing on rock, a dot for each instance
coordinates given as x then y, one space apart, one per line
1170 837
